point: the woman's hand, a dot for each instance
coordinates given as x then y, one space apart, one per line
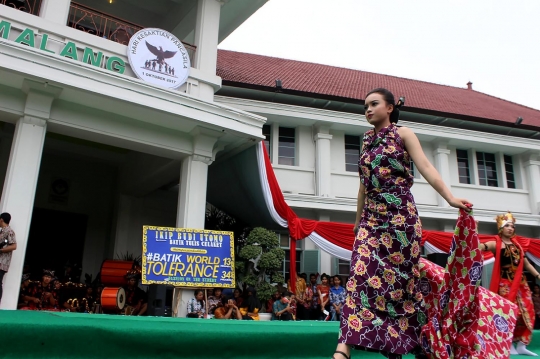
460 203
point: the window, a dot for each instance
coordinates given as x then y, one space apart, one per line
286 146
267 130
413 168
352 153
29 6
287 262
509 168
463 166
343 270
487 169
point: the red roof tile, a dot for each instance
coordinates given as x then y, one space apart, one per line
327 80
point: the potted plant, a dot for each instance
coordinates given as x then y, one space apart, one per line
260 263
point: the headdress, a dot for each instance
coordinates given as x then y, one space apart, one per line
504 219
25 277
48 272
132 274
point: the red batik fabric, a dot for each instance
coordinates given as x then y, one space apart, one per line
464 319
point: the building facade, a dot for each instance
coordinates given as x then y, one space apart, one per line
89 153
315 125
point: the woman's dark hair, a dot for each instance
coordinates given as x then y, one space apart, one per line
251 301
324 275
389 99
338 277
197 291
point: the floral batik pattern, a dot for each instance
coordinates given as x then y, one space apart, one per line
384 310
466 321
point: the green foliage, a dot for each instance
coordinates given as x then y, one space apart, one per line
271 260
239 266
260 261
251 280
264 238
277 277
250 252
265 291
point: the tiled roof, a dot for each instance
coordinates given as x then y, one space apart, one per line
257 70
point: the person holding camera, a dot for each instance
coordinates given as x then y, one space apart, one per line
7 245
282 308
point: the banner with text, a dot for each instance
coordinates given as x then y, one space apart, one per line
188 257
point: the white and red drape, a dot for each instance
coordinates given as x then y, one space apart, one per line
337 238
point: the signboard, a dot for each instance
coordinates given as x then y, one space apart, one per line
69 49
158 57
188 257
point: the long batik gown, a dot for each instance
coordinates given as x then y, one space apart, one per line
384 310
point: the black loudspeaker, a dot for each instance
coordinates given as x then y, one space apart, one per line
438 258
160 300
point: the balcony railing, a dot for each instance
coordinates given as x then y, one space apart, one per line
106 26
29 6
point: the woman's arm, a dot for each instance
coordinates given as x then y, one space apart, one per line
488 246
427 170
361 202
530 268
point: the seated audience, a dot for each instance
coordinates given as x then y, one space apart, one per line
270 304
196 307
214 300
228 310
238 296
24 291
251 305
282 309
41 295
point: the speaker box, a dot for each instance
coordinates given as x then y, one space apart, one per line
159 300
438 258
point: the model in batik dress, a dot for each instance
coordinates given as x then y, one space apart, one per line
509 281
384 310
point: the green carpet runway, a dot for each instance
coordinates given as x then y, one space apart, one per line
27 334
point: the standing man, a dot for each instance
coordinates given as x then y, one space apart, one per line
7 245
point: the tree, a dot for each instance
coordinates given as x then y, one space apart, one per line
217 220
260 262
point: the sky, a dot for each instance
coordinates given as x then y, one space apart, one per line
495 44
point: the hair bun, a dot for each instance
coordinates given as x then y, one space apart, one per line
394 115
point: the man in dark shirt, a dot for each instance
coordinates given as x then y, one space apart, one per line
136 299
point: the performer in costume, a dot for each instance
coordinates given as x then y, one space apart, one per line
509 281
384 311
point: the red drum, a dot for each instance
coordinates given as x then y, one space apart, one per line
113 298
113 272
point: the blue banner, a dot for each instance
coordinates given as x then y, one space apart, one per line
186 257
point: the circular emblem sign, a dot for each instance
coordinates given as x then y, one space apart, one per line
158 57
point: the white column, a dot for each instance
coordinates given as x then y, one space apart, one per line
56 11
323 175
326 265
274 138
532 169
442 165
206 40
192 194
21 178
18 196
193 179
